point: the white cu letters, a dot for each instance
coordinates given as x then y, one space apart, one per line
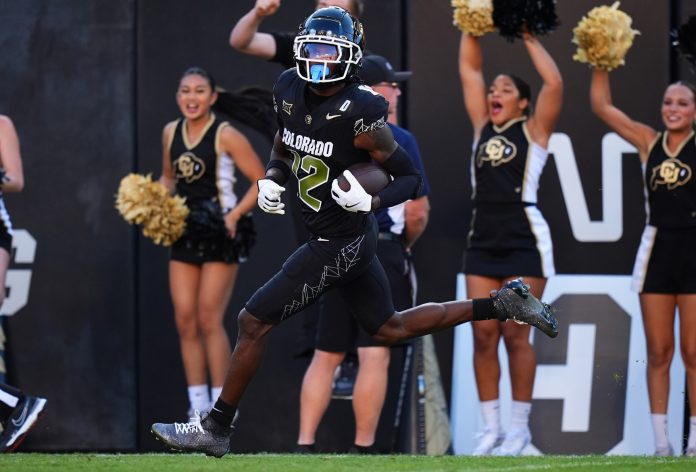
19 280
611 227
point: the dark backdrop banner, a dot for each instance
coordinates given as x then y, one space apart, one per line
67 82
90 85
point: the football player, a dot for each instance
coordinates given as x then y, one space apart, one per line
328 121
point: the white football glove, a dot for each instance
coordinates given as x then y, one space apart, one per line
269 197
356 199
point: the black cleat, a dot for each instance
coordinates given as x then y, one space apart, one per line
23 417
363 450
305 449
198 435
515 302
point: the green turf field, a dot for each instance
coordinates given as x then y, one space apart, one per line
318 463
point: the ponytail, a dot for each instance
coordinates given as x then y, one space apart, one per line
252 106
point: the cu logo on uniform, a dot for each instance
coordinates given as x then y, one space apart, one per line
189 167
497 150
672 173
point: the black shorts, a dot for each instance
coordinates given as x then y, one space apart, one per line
346 264
5 237
199 247
509 239
338 330
666 261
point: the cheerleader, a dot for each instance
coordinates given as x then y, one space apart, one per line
509 237
664 273
202 155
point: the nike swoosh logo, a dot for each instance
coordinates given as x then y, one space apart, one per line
351 206
329 116
18 421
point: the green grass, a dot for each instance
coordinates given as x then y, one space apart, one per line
318 463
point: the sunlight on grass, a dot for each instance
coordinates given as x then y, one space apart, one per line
318 463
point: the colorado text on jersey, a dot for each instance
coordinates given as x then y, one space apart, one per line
307 145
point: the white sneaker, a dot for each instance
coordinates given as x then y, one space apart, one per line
487 441
664 451
515 442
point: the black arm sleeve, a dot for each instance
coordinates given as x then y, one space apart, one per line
407 181
284 49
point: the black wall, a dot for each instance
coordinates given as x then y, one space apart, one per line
90 85
67 82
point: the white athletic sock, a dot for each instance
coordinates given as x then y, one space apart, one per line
214 394
490 410
198 397
519 415
691 444
659 423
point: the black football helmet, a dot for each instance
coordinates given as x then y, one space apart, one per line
329 46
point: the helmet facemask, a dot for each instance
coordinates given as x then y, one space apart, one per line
325 59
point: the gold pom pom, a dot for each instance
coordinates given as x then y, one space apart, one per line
604 37
144 202
474 17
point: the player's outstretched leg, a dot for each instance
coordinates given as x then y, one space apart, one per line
515 302
199 435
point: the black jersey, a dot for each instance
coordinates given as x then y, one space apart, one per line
670 184
321 143
506 164
202 171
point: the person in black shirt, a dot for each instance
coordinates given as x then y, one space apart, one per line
327 122
275 46
664 273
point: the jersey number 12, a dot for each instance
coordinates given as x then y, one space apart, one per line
317 175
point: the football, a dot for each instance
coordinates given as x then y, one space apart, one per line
370 175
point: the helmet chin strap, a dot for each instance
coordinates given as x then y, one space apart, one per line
318 72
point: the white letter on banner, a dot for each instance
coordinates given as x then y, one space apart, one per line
19 280
610 228
571 382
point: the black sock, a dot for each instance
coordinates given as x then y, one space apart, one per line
365 449
223 413
305 449
484 309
